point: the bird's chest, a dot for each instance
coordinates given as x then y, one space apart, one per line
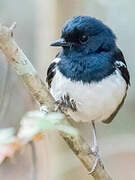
95 101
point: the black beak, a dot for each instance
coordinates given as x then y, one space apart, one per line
60 42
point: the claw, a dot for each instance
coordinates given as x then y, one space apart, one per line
60 104
95 152
94 165
73 105
65 103
95 149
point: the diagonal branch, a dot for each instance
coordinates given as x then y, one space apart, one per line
39 91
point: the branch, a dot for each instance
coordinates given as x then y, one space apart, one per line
39 91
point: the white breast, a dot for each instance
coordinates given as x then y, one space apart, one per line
95 101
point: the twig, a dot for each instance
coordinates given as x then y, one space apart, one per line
39 91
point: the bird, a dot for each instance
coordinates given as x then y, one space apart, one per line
89 77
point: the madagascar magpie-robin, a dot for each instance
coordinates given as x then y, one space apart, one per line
89 76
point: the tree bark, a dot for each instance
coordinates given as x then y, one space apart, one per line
39 91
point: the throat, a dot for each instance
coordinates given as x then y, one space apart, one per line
87 69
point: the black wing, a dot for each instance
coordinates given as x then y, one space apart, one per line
121 65
107 121
51 73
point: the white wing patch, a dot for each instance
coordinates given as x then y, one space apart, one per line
120 64
56 60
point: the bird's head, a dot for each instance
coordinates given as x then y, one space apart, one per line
85 34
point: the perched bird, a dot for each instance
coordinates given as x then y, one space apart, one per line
89 76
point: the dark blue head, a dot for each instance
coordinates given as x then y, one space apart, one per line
87 49
85 34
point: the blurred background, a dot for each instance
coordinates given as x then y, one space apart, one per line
39 23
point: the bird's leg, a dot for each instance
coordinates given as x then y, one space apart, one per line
95 148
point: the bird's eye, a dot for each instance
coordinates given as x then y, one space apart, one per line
83 39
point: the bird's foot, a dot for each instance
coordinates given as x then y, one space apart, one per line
60 106
73 105
66 103
95 152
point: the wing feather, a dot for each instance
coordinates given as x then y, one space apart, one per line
121 65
